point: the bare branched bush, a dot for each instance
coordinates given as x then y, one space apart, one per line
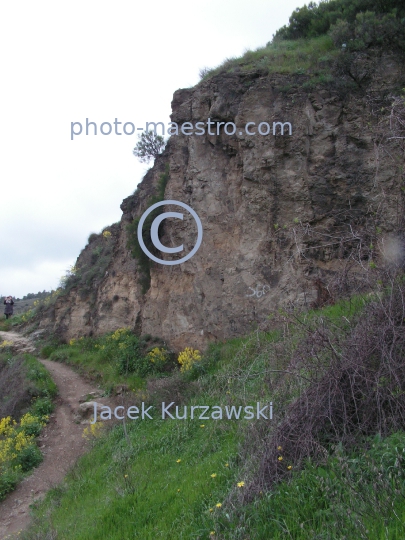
356 386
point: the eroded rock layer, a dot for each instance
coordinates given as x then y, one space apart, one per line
255 195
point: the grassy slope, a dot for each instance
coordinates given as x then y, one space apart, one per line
135 488
301 56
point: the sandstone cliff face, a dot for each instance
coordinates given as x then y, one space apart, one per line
254 195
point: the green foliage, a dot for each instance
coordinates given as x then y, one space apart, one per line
9 478
297 57
144 262
42 406
130 353
370 29
149 146
175 473
47 350
124 349
42 386
93 265
18 450
114 358
92 237
29 457
313 40
314 19
163 471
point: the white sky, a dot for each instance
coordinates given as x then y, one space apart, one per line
65 61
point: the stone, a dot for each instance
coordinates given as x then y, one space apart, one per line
250 193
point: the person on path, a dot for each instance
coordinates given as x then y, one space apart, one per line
9 303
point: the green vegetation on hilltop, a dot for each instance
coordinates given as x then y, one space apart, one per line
314 19
94 261
320 39
287 57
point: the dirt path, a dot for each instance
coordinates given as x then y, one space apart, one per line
61 442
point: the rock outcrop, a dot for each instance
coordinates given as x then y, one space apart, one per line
256 196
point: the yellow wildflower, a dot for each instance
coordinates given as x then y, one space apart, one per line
178 461
289 467
187 358
213 475
94 430
279 448
226 464
218 505
202 425
280 458
157 356
240 484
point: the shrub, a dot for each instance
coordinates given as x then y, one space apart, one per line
203 366
18 451
29 457
31 425
369 29
356 386
149 146
47 351
8 480
159 357
60 355
93 431
92 238
123 348
316 19
187 358
42 407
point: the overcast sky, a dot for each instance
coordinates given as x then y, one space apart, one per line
63 62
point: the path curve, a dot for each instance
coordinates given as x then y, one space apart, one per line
61 442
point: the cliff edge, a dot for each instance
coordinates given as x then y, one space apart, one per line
282 215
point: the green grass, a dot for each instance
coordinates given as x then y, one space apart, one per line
42 385
123 490
39 391
350 496
133 487
92 364
116 358
140 491
299 57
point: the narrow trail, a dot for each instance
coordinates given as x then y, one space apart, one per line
61 441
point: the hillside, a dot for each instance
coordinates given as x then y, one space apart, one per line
284 216
288 422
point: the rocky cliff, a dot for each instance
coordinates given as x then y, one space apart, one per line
282 215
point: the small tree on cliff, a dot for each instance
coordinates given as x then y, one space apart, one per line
149 146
